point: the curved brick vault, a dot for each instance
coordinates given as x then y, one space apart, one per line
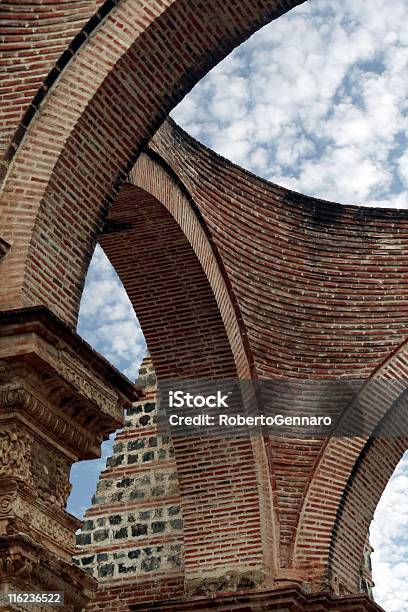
304 296
229 275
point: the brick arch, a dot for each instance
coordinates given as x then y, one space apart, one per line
151 174
167 287
363 491
342 320
148 243
122 80
349 479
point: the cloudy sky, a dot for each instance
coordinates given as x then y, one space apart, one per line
316 101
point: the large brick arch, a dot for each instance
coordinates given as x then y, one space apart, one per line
218 189
134 63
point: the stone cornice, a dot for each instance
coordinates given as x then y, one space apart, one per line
42 321
48 372
292 598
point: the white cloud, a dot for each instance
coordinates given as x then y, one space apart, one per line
107 319
403 168
315 101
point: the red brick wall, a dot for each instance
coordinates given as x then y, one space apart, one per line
310 258
33 35
321 287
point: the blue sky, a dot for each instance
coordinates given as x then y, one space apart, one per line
316 101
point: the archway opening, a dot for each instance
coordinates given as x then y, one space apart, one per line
321 112
388 536
107 321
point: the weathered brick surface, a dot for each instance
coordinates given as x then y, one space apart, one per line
118 87
319 291
224 491
230 276
33 35
321 287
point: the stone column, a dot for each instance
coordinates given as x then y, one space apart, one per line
59 400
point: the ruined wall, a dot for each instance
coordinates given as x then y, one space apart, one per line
132 535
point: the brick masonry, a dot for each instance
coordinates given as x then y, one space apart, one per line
185 176
280 600
245 278
79 147
222 490
132 538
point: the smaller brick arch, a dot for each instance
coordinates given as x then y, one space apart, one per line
362 494
349 479
153 175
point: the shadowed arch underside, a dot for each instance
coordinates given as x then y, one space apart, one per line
224 491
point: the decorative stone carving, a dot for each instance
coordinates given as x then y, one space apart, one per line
51 475
62 486
228 582
17 556
43 413
6 503
18 512
15 455
92 388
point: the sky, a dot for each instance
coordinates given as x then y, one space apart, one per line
315 101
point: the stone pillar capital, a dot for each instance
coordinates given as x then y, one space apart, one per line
59 400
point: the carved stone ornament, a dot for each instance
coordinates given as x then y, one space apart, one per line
21 514
6 503
18 556
15 455
21 398
91 387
